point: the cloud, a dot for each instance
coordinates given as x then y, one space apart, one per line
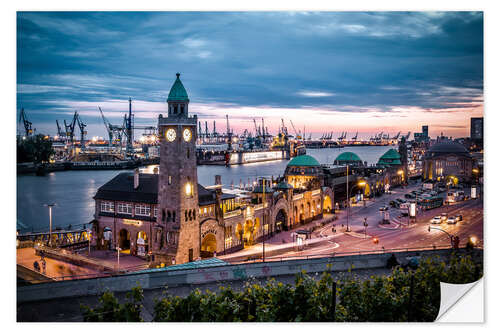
335 64
308 93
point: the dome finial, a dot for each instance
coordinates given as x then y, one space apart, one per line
177 74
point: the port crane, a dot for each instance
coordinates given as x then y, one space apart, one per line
60 133
26 123
229 134
297 135
342 136
114 131
83 132
396 136
354 138
70 128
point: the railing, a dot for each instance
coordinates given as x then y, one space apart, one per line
233 213
342 254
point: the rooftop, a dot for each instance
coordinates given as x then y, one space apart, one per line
304 160
121 188
348 157
177 92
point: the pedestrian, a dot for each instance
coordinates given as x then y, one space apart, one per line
36 266
44 265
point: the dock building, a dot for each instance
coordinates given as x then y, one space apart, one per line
170 218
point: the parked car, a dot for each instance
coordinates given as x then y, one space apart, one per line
383 208
393 203
409 196
452 220
444 216
436 220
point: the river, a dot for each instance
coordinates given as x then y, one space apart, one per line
72 191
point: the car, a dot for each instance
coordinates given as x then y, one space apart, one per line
444 216
436 220
393 203
409 196
452 220
383 208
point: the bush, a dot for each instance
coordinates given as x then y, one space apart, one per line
377 299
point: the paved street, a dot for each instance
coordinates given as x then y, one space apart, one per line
396 235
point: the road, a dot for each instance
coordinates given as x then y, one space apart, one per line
396 235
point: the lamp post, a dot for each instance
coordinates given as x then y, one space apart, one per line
263 219
452 238
361 183
50 221
118 257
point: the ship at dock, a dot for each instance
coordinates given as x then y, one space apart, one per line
250 147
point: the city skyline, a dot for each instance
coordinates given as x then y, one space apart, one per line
364 71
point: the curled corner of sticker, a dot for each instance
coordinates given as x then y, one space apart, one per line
451 297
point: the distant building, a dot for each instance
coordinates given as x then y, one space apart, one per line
424 136
476 128
447 160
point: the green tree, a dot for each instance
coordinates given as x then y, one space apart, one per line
36 149
109 310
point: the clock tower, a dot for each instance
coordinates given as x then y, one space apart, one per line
177 235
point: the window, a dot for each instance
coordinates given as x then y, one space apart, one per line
229 242
143 210
107 206
169 180
155 212
125 208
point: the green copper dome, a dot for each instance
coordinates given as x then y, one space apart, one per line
391 157
347 157
304 160
178 92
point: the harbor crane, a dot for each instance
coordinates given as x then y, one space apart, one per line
396 136
114 131
407 135
83 132
26 123
354 138
229 134
297 135
60 133
206 130
257 131
70 128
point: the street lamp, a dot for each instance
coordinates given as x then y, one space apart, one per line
361 183
453 239
50 205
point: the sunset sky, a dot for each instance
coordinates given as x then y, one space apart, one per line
327 71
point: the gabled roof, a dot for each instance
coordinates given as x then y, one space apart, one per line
177 92
347 157
121 188
304 160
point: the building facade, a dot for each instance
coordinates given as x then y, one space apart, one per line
447 160
170 218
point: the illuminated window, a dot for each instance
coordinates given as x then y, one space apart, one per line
155 212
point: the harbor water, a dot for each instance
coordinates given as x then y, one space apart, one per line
73 191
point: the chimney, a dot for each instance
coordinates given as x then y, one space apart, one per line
218 180
136 179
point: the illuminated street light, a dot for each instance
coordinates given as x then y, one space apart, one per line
453 239
50 221
359 184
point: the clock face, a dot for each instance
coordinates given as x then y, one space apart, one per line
170 135
187 134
